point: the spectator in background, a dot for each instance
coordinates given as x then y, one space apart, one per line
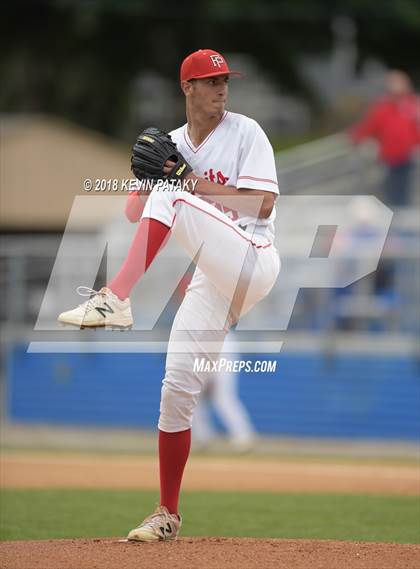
394 122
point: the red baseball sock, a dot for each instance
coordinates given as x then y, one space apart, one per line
174 449
150 237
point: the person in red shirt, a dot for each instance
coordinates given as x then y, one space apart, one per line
394 122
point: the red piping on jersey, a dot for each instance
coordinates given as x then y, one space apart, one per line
257 179
224 222
208 137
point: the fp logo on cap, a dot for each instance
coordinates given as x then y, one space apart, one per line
217 60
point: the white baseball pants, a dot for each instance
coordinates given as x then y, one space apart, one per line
235 270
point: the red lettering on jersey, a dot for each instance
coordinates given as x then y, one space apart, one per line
219 178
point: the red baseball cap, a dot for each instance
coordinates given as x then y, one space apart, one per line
205 63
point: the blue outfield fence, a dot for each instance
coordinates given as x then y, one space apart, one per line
350 396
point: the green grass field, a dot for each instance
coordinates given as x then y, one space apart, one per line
43 514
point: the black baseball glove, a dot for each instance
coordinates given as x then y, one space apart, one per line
150 152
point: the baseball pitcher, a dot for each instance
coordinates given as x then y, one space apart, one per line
214 187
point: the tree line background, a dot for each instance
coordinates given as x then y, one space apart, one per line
78 59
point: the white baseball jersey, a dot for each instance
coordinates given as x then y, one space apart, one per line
236 153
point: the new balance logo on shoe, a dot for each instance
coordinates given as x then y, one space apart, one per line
102 310
166 529
159 526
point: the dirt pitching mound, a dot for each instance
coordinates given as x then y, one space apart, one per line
207 553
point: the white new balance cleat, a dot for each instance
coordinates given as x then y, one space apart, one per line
102 309
159 526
